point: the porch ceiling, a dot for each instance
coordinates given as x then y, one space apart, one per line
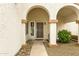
38 14
65 12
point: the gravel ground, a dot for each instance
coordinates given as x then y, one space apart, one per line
25 50
63 49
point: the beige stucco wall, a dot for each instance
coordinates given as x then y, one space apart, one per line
11 32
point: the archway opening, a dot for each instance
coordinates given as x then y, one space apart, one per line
37 26
67 17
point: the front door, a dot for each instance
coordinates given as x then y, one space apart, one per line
39 30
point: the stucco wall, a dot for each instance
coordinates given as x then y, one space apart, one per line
11 36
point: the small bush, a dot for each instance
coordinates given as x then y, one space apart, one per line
64 36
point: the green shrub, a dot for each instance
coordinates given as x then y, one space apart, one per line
64 36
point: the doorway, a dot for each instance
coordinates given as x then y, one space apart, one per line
38 23
39 30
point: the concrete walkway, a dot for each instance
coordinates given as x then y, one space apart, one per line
38 49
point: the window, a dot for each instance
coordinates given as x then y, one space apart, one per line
32 28
27 28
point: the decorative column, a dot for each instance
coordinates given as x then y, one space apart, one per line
77 21
52 34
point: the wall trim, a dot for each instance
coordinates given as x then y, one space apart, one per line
52 21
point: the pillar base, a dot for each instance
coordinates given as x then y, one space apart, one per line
77 44
24 45
52 45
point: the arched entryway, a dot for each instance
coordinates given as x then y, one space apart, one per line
67 17
37 26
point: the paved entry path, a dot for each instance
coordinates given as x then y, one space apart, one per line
38 49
